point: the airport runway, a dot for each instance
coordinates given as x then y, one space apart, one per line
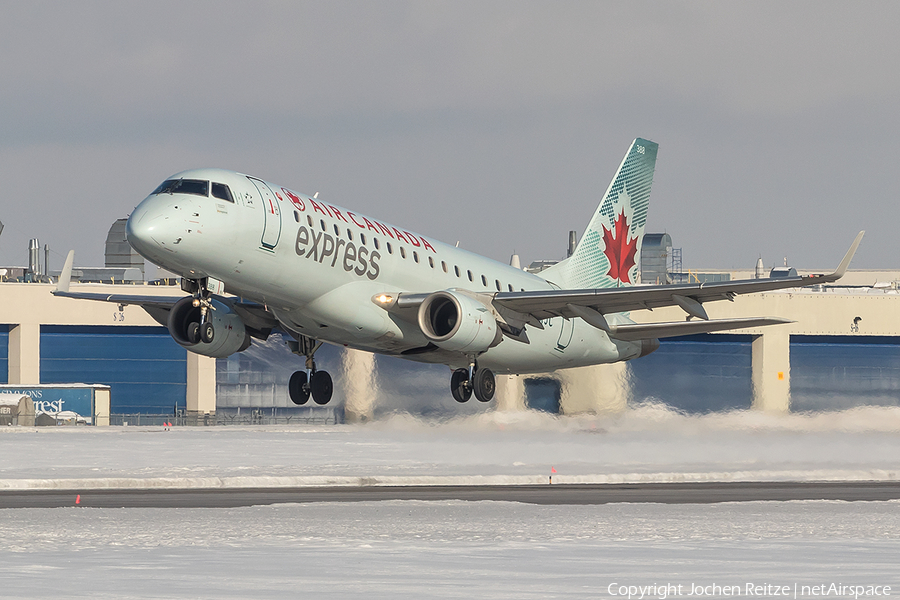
562 494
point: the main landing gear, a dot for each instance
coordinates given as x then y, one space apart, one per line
316 383
464 382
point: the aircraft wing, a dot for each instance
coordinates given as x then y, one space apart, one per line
591 303
259 320
642 331
517 309
123 299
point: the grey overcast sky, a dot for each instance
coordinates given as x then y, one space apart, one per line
498 124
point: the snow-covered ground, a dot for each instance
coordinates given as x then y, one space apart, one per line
443 549
407 549
650 443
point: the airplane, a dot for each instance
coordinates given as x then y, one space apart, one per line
257 258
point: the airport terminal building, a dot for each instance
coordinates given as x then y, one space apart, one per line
843 350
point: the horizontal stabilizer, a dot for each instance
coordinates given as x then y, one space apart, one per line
643 331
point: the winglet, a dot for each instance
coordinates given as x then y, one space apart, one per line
65 276
842 268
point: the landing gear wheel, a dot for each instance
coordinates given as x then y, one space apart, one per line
459 385
321 386
298 388
484 385
193 332
207 333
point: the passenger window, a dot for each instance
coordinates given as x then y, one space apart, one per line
390 248
402 252
469 273
337 231
415 256
309 220
349 235
375 241
497 283
322 223
221 191
510 287
484 281
444 266
430 262
362 239
296 216
456 268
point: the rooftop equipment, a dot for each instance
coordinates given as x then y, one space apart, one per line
656 248
119 253
34 257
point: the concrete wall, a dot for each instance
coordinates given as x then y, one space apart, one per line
25 307
836 312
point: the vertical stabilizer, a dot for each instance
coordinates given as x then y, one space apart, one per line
608 254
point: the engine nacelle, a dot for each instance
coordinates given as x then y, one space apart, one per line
230 334
458 323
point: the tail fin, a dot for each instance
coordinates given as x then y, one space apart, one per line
610 248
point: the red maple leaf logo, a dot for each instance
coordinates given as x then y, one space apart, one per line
618 249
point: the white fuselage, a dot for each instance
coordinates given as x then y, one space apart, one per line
317 266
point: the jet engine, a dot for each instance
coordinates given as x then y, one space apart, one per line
230 334
458 323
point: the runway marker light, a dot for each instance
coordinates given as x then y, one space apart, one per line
78 499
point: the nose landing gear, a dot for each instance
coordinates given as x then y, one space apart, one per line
318 384
464 382
202 331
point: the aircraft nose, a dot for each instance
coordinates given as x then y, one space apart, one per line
145 228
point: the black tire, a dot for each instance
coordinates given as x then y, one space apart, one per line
484 385
321 386
459 385
193 332
207 333
298 388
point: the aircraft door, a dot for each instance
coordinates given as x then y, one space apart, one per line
567 328
272 224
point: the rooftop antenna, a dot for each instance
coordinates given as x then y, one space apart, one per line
1 226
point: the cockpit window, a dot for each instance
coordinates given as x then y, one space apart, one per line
196 187
221 191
